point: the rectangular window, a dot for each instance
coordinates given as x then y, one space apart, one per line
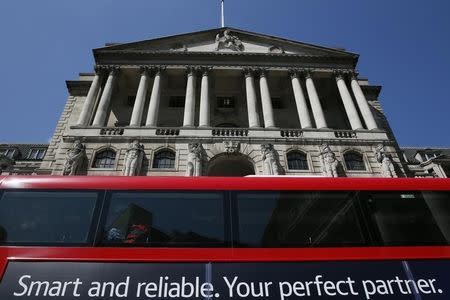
8 152
429 156
225 102
46 217
176 101
410 218
277 103
36 154
298 219
166 219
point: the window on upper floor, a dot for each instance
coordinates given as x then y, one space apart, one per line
176 101
164 159
354 161
297 160
36 154
225 102
8 152
429 155
105 159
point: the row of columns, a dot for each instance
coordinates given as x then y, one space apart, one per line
204 117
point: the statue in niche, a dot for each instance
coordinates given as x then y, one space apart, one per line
385 161
329 161
228 41
195 160
74 159
133 159
271 162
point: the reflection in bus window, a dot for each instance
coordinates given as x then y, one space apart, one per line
410 218
165 218
289 219
46 217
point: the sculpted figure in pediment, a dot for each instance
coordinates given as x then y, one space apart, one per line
133 159
74 158
228 41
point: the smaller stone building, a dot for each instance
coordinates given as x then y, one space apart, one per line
21 159
428 162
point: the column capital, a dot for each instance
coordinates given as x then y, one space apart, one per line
354 74
113 70
144 70
205 70
308 73
338 74
157 70
99 70
249 72
262 72
294 73
192 70
343 73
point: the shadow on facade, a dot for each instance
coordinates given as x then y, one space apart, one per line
228 165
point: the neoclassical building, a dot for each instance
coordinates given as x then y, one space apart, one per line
223 102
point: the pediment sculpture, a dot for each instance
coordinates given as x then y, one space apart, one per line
133 159
228 41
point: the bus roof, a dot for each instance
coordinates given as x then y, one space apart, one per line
219 183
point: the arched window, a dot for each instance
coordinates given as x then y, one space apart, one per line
354 161
164 159
105 159
297 160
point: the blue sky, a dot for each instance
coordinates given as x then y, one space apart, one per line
404 46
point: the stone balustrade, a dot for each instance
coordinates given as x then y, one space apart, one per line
229 132
291 133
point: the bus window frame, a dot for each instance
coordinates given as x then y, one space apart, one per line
370 239
227 230
95 218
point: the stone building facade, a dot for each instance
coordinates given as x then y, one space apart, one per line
223 102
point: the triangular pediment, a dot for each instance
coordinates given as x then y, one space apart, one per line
227 40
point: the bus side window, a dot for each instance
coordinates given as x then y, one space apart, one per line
409 217
47 217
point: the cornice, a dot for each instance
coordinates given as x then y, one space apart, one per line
218 57
78 87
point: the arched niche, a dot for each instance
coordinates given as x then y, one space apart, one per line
230 165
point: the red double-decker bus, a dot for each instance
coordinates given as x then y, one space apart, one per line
224 238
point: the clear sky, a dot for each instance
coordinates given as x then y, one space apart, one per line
404 46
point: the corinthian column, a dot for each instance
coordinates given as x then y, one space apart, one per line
253 120
204 99
349 106
316 107
141 95
88 105
363 104
189 104
100 115
155 98
300 101
266 101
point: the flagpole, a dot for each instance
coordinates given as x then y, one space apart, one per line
222 13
